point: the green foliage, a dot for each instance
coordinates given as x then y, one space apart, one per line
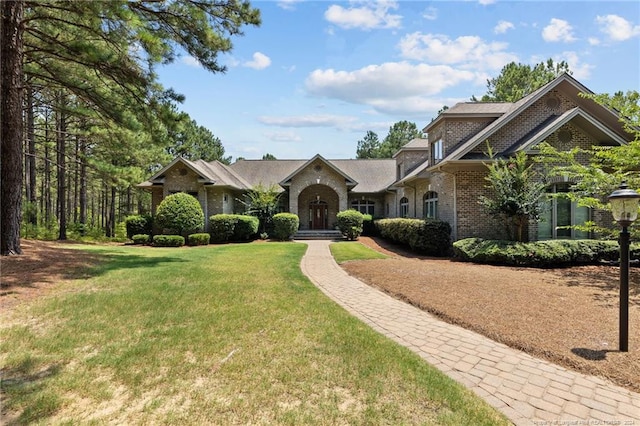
517 193
548 253
180 213
201 239
168 240
350 223
141 238
399 134
518 80
285 225
426 236
138 224
194 142
262 202
368 226
232 227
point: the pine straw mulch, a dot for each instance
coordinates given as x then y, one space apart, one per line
568 316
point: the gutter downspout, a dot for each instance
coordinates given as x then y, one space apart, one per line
206 209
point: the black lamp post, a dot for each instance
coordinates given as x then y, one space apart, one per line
624 207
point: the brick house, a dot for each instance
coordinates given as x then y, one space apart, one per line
441 176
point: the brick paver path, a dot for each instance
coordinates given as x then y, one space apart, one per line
529 391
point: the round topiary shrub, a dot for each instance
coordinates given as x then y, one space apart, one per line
201 239
285 225
168 240
350 224
180 213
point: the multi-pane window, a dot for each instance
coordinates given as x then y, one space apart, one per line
364 206
560 214
431 205
437 151
404 207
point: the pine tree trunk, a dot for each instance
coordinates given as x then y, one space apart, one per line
82 200
61 128
11 93
30 162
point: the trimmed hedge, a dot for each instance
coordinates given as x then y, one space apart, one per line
168 240
138 224
368 226
426 236
350 223
141 239
539 254
233 227
201 239
181 213
285 225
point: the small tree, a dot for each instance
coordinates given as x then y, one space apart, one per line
262 202
180 213
517 194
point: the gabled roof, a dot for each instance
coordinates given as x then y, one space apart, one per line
415 144
568 82
349 180
213 173
471 110
372 175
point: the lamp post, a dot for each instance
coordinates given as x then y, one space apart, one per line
624 208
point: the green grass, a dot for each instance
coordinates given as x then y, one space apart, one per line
230 334
352 250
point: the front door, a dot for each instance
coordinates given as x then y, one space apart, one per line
318 213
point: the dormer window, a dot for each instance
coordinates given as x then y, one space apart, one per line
437 151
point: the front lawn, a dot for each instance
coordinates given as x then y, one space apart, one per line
211 335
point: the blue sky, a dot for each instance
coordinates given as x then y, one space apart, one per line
316 75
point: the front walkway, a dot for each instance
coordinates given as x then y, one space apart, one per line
529 391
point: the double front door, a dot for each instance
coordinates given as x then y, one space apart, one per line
318 215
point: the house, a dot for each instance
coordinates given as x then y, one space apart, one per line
441 176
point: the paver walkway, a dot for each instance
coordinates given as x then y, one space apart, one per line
529 391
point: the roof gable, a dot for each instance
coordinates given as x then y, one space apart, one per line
349 180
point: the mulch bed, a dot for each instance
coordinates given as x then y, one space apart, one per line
567 315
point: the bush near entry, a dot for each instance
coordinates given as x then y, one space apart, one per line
548 253
180 213
201 239
233 227
350 223
168 240
285 225
138 224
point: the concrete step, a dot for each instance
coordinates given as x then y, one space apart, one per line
318 234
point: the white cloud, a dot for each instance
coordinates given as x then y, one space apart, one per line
468 51
311 120
486 2
593 41
260 61
283 136
617 28
581 71
367 16
502 27
191 61
558 30
392 87
430 13
288 4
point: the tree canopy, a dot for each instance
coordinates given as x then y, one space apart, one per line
400 134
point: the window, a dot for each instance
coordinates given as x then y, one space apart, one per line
364 206
437 151
431 205
404 207
560 214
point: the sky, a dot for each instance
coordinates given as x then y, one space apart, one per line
315 76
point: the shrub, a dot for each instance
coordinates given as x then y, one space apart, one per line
138 224
141 239
350 223
233 227
246 228
168 240
285 225
426 236
546 253
368 226
181 213
201 239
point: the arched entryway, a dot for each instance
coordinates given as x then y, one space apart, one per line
318 207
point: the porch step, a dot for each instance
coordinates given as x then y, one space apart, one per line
318 234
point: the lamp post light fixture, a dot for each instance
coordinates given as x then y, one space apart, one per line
624 208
